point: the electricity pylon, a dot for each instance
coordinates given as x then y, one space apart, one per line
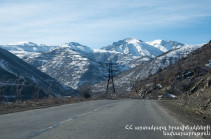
110 78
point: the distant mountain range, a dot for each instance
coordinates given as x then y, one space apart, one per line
25 49
75 65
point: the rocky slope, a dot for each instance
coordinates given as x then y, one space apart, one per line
20 80
72 64
188 80
190 74
75 65
125 81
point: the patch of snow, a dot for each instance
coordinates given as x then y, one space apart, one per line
159 86
105 51
3 65
160 97
165 46
77 47
171 95
133 47
209 64
132 41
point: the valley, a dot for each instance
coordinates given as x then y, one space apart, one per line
163 78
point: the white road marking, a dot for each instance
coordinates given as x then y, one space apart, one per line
65 121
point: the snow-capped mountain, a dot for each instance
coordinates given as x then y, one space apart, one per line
125 81
165 46
77 47
20 78
25 49
71 64
124 61
74 64
134 47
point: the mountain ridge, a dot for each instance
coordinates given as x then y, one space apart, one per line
133 47
125 80
78 62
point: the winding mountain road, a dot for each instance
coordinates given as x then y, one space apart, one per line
100 119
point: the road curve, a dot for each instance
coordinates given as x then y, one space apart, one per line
101 119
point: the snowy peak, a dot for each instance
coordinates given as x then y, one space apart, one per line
165 46
132 41
134 47
77 47
70 64
25 49
24 44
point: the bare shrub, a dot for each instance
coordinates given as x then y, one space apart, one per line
85 91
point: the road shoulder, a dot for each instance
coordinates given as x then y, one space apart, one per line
184 115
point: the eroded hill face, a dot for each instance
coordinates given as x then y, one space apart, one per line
189 76
20 80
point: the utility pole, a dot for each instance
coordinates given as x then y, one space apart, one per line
110 78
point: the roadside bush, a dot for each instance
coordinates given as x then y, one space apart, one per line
85 91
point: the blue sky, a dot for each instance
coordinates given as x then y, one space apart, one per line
98 23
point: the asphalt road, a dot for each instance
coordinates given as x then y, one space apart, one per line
101 119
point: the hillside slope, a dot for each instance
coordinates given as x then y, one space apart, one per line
71 64
19 79
75 65
125 81
188 79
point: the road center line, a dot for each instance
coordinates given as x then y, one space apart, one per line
34 134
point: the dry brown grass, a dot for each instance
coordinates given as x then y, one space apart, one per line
37 104
199 102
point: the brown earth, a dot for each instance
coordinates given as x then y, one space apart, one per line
186 115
